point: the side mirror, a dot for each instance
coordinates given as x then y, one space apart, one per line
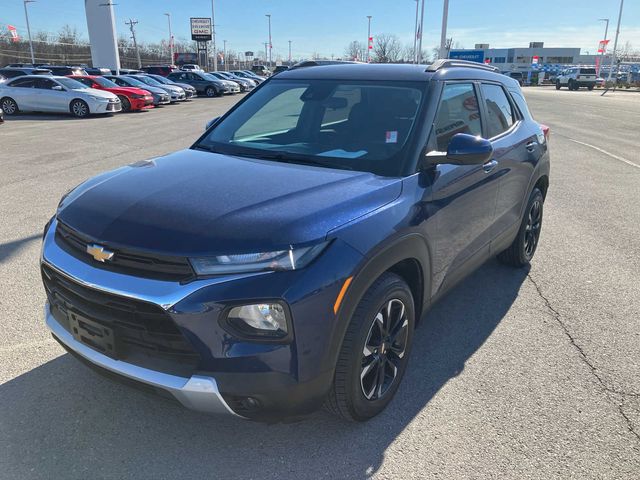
57 88
463 149
211 122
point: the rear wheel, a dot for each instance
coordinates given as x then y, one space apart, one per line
126 104
521 251
79 108
9 106
375 351
590 87
210 92
558 86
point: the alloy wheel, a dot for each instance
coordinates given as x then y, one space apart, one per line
384 350
80 109
532 229
9 107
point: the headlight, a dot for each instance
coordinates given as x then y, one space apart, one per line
135 95
291 259
100 99
259 320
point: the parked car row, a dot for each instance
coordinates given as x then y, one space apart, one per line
38 89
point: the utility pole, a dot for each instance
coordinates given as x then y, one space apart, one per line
266 44
289 52
421 33
369 45
443 32
615 45
604 46
26 15
170 39
415 35
131 24
224 54
268 15
213 35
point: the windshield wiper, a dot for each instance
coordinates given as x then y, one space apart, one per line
285 157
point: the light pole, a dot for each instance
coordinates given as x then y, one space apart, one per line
26 14
213 35
415 35
615 44
443 32
369 43
421 32
268 15
604 45
289 52
170 39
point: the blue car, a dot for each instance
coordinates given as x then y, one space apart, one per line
283 261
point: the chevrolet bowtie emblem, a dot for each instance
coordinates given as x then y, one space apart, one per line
99 252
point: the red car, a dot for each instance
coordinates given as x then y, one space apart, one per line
132 99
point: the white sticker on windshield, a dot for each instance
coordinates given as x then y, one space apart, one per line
391 136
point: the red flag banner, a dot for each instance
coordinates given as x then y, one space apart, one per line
602 46
14 33
370 43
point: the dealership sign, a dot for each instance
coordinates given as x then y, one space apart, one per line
201 29
469 55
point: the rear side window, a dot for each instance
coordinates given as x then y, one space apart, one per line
22 82
457 113
499 112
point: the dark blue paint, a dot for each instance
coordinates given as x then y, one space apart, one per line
199 203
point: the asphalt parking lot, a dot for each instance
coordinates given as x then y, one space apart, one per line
515 374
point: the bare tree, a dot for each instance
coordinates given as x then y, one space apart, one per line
354 50
387 49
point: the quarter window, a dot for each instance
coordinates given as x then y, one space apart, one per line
457 113
499 112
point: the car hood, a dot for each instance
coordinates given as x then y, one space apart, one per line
185 86
94 92
128 91
199 203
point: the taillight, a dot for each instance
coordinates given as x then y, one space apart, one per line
546 130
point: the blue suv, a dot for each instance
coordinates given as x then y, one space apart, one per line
281 263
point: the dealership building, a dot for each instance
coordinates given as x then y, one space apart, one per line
523 59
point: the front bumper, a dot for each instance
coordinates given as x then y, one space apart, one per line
163 99
107 107
198 393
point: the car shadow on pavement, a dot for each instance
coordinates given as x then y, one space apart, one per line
9 249
60 420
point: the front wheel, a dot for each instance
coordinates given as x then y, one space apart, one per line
9 106
590 87
126 104
210 92
558 86
375 351
79 108
521 251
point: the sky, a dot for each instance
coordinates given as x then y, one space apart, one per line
327 26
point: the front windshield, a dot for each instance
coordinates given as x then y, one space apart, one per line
134 82
71 84
353 125
149 81
208 76
103 82
161 79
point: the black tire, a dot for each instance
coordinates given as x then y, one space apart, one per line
558 86
523 248
590 87
357 370
126 104
9 106
79 108
211 92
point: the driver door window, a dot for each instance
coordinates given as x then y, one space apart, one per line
457 113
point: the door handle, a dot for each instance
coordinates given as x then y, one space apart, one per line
531 146
487 167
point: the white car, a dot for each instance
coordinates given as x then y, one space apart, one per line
577 77
40 93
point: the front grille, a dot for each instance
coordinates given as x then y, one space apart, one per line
144 334
125 261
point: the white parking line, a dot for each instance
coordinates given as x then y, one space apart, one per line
612 155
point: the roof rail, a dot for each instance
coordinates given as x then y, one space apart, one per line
449 63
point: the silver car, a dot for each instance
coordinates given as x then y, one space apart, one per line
38 93
176 93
